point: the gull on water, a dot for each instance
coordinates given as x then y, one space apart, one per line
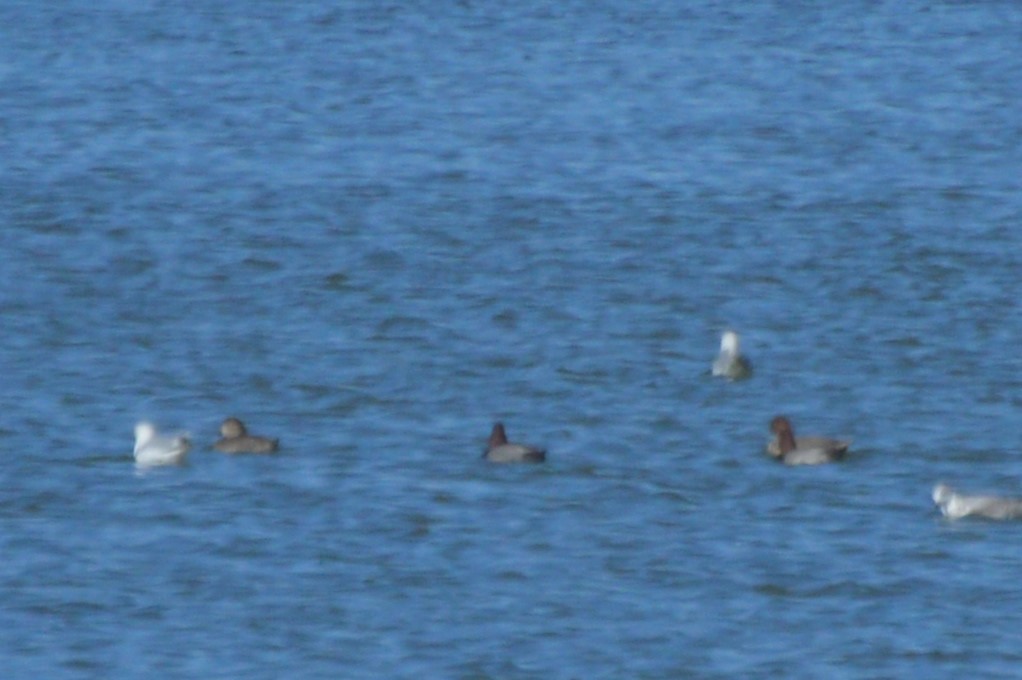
154 449
730 363
954 505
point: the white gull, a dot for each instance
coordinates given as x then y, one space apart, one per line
955 505
730 363
153 449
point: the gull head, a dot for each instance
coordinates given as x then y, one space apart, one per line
729 343
144 432
942 494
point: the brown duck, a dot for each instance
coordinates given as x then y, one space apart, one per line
236 439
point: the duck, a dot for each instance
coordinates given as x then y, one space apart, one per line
152 449
499 450
236 439
730 363
792 450
955 506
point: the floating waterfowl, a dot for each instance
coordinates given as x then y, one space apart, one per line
954 505
152 449
499 450
792 450
236 439
730 363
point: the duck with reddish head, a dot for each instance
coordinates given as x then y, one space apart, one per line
792 450
500 450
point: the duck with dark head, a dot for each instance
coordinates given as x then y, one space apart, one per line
500 450
792 450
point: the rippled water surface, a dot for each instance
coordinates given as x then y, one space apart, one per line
372 230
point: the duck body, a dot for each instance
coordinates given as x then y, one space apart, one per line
500 450
810 444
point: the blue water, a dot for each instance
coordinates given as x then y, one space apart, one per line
372 230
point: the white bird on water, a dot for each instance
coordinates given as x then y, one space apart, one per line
152 449
955 505
730 363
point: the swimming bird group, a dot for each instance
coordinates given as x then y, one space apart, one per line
814 450
153 449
